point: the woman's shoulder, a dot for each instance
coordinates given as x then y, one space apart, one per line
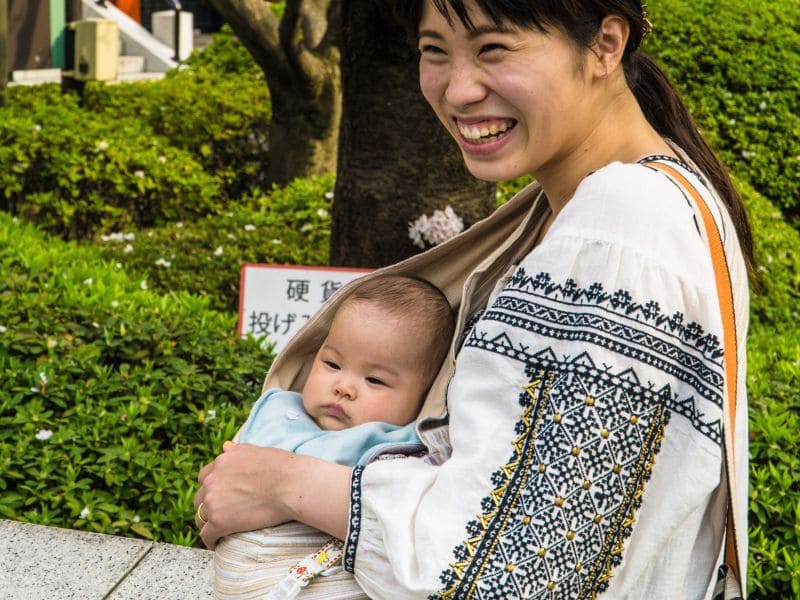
637 211
633 205
638 189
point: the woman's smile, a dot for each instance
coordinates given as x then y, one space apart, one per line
483 136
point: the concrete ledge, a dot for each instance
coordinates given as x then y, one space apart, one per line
49 562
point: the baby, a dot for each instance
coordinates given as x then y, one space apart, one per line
385 345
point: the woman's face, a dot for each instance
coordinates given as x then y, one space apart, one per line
517 101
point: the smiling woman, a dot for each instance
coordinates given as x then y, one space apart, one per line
580 439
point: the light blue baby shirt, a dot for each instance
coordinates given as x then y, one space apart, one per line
278 420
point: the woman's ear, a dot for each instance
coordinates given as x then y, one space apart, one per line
609 47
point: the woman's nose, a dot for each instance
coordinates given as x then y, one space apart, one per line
464 86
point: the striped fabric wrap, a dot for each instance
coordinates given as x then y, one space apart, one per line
249 563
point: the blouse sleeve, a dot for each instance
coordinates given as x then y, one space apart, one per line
585 423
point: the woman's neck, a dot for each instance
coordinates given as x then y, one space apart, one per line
622 134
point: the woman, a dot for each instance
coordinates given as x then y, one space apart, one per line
583 450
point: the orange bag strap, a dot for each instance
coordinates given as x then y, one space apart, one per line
725 294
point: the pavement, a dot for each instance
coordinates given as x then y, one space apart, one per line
38 563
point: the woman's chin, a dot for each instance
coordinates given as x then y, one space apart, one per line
495 173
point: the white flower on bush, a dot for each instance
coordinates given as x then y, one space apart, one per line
139 173
163 263
114 304
88 281
43 378
101 146
427 231
136 518
85 512
118 237
37 127
322 213
3 329
276 241
249 227
329 195
143 284
218 251
44 435
51 343
162 159
128 249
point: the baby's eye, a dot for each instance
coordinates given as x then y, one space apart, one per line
331 364
375 381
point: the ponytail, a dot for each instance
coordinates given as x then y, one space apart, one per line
666 112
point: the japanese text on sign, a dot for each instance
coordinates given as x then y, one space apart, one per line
275 301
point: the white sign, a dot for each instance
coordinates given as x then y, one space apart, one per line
276 300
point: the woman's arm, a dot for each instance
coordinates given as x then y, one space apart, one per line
249 487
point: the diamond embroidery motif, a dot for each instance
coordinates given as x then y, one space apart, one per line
554 525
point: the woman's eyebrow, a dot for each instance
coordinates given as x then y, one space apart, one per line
471 34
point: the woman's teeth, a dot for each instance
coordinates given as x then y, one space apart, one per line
485 133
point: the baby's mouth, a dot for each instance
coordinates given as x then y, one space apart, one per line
334 410
486 131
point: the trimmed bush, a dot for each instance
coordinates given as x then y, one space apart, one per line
74 173
216 107
112 396
289 226
736 63
772 382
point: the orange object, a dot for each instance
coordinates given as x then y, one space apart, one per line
132 8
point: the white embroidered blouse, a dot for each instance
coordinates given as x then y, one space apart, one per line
585 432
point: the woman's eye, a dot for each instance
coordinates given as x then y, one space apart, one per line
375 381
431 50
487 48
331 364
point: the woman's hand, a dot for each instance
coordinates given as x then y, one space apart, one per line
249 487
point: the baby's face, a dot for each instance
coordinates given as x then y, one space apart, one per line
366 370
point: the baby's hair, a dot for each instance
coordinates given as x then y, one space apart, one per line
421 304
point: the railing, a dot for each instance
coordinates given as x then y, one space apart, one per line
176 5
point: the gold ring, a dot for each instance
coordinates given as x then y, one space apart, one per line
199 514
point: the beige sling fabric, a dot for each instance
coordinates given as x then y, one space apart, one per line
468 266
485 252
248 564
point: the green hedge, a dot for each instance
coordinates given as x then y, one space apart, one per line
737 63
137 155
216 107
111 396
291 225
74 173
773 382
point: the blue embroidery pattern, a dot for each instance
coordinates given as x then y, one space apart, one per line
679 349
554 524
349 559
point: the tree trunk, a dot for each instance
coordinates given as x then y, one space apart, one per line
300 60
396 162
3 51
304 130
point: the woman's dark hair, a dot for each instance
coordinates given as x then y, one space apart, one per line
658 99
